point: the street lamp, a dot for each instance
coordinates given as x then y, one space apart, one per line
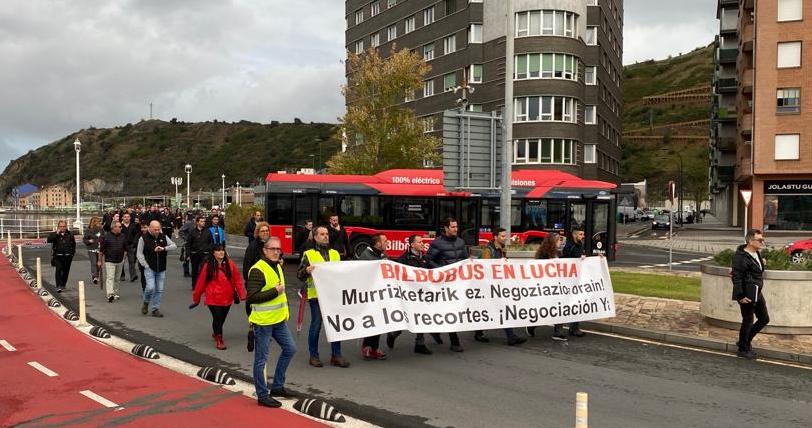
177 181
313 158
224 191
77 145
239 195
188 179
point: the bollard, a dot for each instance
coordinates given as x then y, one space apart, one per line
581 410
21 228
20 256
82 309
39 274
10 248
37 228
2 226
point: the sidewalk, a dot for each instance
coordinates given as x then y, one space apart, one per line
54 375
678 321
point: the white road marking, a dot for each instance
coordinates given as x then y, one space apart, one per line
7 345
98 398
45 370
691 348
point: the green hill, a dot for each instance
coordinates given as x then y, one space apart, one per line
140 159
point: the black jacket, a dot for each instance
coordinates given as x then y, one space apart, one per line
113 247
132 233
372 253
572 250
747 275
148 216
249 229
91 239
491 251
339 241
155 261
411 259
63 244
199 241
252 255
445 251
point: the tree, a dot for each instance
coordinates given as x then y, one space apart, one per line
381 134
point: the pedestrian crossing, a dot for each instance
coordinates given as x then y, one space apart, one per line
683 262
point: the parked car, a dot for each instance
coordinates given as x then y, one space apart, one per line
660 222
796 250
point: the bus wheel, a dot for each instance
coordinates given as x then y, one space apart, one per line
359 245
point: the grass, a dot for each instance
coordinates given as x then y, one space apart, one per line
654 285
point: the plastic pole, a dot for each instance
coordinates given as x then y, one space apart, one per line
82 309
581 410
39 273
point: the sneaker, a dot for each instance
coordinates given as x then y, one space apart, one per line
282 392
145 308
339 362
390 339
157 313
133 279
480 337
422 349
560 338
516 340
531 331
577 332
750 355
315 362
456 348
111 299
95 280
250 344
268 402
60 289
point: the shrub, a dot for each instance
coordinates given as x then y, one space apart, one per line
237 216
776 259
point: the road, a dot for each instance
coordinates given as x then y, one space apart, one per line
637 256
629 383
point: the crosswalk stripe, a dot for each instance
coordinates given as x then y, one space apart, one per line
7 345
98 398
44 370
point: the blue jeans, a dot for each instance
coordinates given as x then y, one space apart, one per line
315 329
262 348
154 288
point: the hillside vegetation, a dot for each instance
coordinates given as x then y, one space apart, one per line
140 159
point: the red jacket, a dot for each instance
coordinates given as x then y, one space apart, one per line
219 291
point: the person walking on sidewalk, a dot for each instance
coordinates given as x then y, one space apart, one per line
573 249
152 249
144 229
496 249
339 240
112 250
251 226
253 253
446 249
197 246
310 259
747 274
185 233
217 236
549 250
413 256
220 280
369 347
269 315
91 240
132 232
62 252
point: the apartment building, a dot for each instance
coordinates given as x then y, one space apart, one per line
567 78
771 143
54 196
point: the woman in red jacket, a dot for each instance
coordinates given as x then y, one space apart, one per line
220 280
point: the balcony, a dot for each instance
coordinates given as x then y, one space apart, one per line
726 85
728 56
726 144
743 169
746 37
725 115
747 81
746 125
724 174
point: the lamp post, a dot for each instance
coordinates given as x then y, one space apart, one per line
77 145
313 158
177 181
188 192
224 190
239 195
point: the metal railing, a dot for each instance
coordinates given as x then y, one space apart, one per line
33 228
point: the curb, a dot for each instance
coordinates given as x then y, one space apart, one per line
699 342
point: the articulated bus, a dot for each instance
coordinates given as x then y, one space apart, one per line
402 202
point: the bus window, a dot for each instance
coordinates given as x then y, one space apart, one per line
360 210
535 214
577 215
600 220
468 229
490 214
556 215
303 209
326 210
415 213
280 209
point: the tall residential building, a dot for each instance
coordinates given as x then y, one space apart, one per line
567 78
759 83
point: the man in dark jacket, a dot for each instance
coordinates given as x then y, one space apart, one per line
197 247
413 256
151 215
185 232
112 250
251 226
446 249
748 279
369 347
64 247
131 232
496 249
573 249
167 219
339 240
151 255
215 213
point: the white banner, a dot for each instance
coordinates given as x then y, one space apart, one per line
365 298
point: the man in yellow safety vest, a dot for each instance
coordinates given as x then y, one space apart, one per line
312 257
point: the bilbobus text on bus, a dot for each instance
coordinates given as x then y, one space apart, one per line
402 202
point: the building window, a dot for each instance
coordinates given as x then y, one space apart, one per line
409 97
789 100
450 6
428 88
547 23
591 35
391 32
475 33
409 25
359 47
359 16
375 40
589 75
428 51
474 1
590 118
545 109
450 44
475 74
374 9
789 54
786 146
589 153
475 108
428 124
546 66
543 151
449 82
391 3
790 10
594 3
428 15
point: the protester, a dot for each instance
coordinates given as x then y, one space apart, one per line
152 249
369 347
91 241
221 282
197 247
496 249
304 237
310 259
112 250
253 253
107 219
144 229
413 256
131 232
269 316
185 233
215 213
446 249
62 252
573 249
339 240
251 226
167 220
549 250
747 274
151 215
217 236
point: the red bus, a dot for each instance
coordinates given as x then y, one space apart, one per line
402 202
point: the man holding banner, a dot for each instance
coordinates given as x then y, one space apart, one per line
312 257
447 249
369 348
496 249
413 256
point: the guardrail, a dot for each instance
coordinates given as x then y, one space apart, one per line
33 228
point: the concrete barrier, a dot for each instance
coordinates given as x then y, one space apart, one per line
786 292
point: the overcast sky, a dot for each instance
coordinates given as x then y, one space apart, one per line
68 65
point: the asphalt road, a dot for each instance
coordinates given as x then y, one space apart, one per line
635 256
630 384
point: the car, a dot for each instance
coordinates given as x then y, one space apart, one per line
660 222
796 250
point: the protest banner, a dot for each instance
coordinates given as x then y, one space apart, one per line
365 298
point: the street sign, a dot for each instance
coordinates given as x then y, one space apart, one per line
472 145
746 195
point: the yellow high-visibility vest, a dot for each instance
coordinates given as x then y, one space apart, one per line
273 311
314 257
